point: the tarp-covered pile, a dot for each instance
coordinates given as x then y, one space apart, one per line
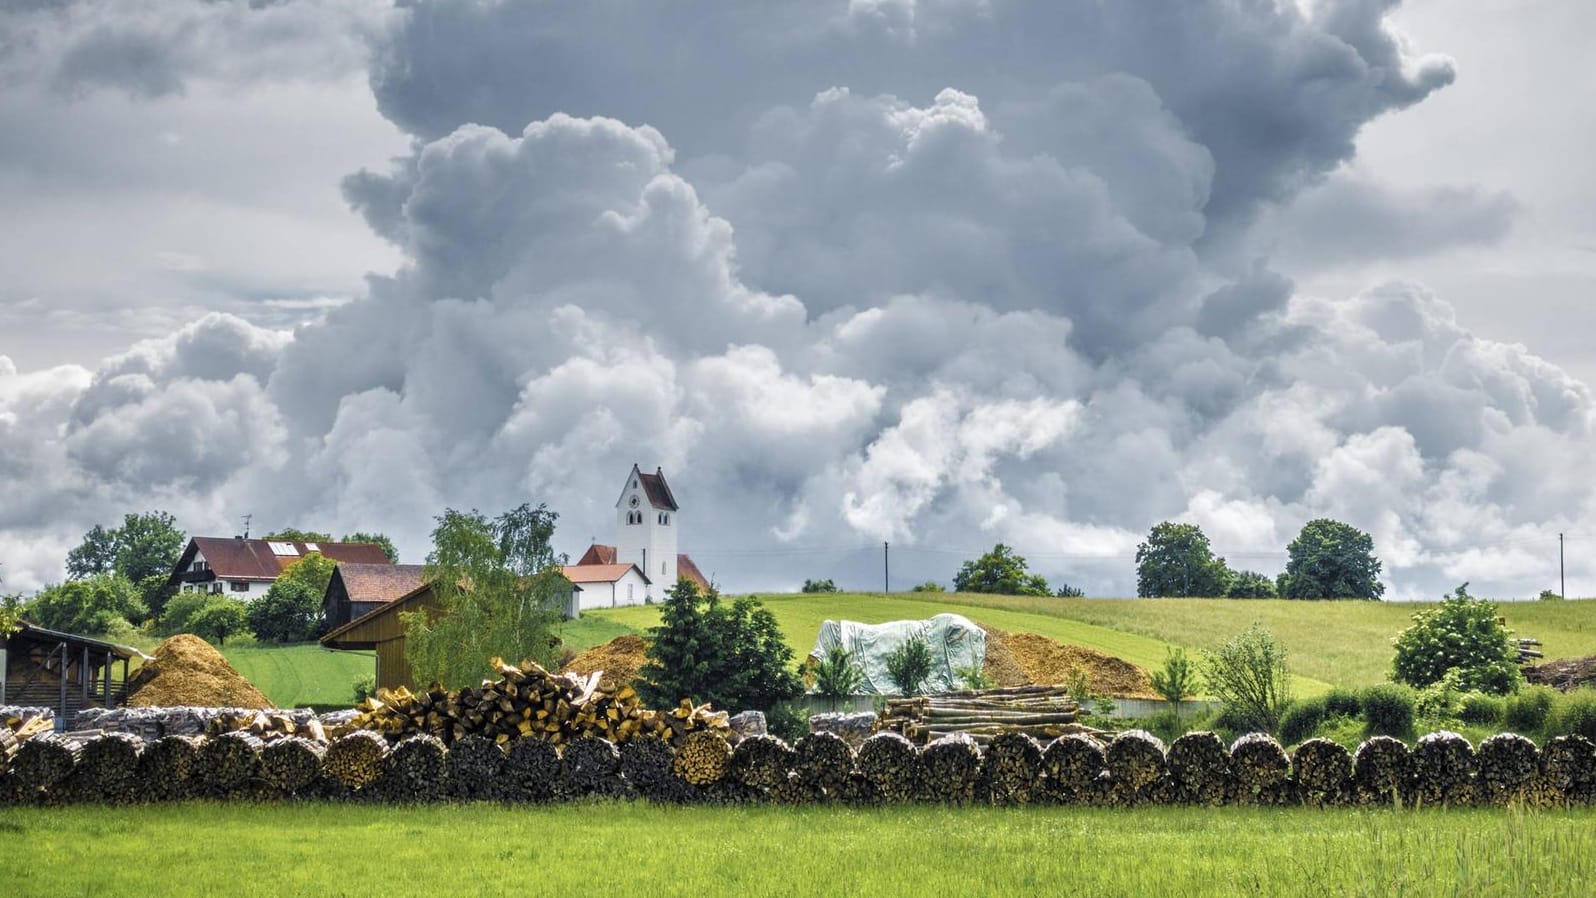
955 641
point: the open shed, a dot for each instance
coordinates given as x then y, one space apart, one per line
49 669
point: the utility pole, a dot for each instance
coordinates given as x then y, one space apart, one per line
886 569
1562 581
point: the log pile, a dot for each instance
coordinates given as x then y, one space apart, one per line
592 766
824 762
1076 770
18 725
1043 712
528 701
1199 770
168 768
291 766
1508 765
702 758
1441 771
1135 762
763 762
1380 770
266 726
646 764
475 763
1263 770
892 765
354 761
950 769
531 772
1568 772
414 770
1012 769
44 762
1528 650
1563 674
229 764
1323 771
108 770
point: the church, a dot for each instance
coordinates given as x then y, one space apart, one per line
643 564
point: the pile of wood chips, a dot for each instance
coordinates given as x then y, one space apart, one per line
187 671
1041 660
620 659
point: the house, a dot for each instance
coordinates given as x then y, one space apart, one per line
45 668
357 589
647 521
246 568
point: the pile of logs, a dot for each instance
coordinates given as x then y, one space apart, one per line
266 726
1043 712
1528 651
18 725
527 701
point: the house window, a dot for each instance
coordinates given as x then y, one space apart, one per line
238 585
628 592
216 587
200 566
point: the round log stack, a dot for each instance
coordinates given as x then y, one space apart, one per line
1508 765
1323 771
702 758
950 769
355 760
1075 769
169 768
531 772
108 770
43 763
763 762
646 764
1263 770
1442 771
1568 772
292 766
795 790
1380 771
1135 760
415 770
474 765
892 765
1199 770
229 764
592 766
1012 769
824 761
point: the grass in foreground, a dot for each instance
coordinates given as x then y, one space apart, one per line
618 848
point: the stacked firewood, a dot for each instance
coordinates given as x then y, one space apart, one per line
18 726
107 770
1076 770
527 701
891 764
1199 770
1380 771
1323 771
1528 650
1263 770
266 726
950 769
1441 771
1135 761
1011 769
292 766
1043 712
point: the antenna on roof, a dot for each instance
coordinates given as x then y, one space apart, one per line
246 525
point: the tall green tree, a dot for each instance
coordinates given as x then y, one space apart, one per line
100 605
1250 585
144 550
377 539
1331 560
1177 561
1002 572
291 610
707 650
498 593
1461 637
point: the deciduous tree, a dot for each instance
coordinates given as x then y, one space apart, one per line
1002 572
1331 560
1462 635
707 650
1176 560
291 610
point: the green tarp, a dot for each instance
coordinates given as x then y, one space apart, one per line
955 642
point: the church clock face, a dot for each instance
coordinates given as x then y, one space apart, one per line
634 501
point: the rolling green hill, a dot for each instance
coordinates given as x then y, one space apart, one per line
1329 643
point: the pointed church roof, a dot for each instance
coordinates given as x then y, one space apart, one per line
655 488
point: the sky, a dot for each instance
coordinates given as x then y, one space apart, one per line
929 273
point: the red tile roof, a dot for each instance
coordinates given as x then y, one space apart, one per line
378 582
253 559
686 568
598 573
598 554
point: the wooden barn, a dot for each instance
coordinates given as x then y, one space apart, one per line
48 669
359 589
382 631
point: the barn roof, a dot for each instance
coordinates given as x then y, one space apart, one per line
255 559
378 582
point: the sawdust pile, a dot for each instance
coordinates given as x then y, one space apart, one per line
1041 660
620 658
188 672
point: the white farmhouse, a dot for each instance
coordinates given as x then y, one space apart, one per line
246 568
644 563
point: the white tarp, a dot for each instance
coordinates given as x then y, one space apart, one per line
955 643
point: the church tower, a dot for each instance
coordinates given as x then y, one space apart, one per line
645 529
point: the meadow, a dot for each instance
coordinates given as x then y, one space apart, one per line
340 849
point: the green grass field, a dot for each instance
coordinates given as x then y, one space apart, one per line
1329 643
331 850
303 674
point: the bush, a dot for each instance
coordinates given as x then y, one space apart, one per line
1342 702
1067 591
218 619
1526 712
1250 585
788 720
1574 714
837 675
365 687
927 586
1177 680
820 586
1249 675
731 655
1302 720
101 605
1388 710
909 665
1481 710
1463 634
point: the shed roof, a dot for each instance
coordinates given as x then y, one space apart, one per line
34 633
378 582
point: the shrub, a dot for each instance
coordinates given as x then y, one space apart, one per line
1462 634
1177 680
1249 675
218 619
1067 591
1342 702
909 665
1388 710
974 677
1481 710
1250 585
788 720
365 687
1301 720
101 605
820 586
927 586
1526 712
1574 714
837 675
731 655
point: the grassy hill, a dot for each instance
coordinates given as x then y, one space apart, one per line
301 674
1329 643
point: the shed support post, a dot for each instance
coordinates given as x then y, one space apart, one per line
63 711
110 700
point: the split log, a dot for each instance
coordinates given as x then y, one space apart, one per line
702 758
762 762
1381 768
1442 771
1323 772
950 769
474 765
531 772
892 764
1568 772
1199 770
1508 765
1012 769
1135 761
292 766
1263 770
415 770
107 772
795 790
43 763
169 768
592 766
646 765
